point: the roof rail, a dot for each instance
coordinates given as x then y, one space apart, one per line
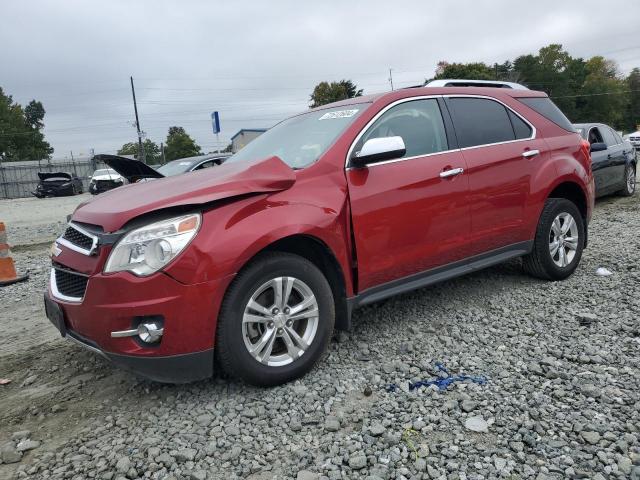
451 82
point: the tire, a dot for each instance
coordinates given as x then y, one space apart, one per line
540 263
283 362
629 181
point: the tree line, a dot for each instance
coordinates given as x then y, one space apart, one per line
586 90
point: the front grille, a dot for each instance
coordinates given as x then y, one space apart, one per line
635 139
77 238
70 284
107 183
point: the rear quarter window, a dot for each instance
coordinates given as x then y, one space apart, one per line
545 107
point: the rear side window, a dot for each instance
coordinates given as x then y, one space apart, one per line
520 127
545 107
480 121
618 137
609 138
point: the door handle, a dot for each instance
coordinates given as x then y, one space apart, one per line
451 173
530 153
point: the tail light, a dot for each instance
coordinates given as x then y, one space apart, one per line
586 149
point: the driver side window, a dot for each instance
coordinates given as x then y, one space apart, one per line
595 136
418 122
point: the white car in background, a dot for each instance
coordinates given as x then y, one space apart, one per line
634 139
105 179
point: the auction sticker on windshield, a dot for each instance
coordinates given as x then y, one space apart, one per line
339 114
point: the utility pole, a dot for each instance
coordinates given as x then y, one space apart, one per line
162 152
391 79
141 155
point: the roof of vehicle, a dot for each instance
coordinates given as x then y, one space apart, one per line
434 91
589 125
451 82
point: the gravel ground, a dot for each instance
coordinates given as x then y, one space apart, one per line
562 363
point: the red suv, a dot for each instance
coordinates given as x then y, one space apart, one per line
257 260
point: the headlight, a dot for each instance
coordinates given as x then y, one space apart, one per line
147 249
65 184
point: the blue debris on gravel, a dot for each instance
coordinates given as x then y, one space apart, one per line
441 382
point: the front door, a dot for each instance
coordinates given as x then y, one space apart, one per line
407 217
600 162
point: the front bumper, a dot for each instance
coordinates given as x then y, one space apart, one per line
173 369
118 301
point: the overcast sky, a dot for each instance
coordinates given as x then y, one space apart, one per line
257 62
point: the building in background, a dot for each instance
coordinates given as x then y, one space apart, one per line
245 136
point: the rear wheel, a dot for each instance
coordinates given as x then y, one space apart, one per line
276 320
629 181
559 241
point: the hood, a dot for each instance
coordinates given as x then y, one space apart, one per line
114 208
113 176
58 175
132 170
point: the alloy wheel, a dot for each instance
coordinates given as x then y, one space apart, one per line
563 239
631 180
280 321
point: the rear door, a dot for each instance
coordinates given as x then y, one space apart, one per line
616 157
407 218
501 153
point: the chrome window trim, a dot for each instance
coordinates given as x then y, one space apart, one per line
534 131
75 248
56 293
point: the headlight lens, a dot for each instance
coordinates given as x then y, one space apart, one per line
147 249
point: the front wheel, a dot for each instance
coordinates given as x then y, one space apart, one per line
559 241
629 181
276 320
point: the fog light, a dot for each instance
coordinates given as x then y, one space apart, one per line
150 332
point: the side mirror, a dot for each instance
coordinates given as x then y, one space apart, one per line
378 150
598 147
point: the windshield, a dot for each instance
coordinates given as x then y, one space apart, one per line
299 141
105 171
175 168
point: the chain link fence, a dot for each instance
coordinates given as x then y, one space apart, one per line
19 179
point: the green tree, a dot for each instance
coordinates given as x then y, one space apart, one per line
180 145
603 93
21 137
326 92
632 117
466 71
151 150
130 148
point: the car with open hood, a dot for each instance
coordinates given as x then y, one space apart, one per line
135 170
105 179
255 262
57 184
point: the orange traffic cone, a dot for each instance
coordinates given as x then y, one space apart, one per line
8 274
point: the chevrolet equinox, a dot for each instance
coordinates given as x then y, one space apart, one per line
255 261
